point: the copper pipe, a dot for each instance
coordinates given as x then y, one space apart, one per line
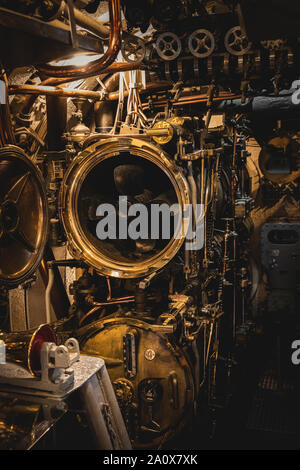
97 66
53 91
109 288
128 298
89 313
114 96
193 99
58 91
114 68
99 305
157 86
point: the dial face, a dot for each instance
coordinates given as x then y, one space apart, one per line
149 354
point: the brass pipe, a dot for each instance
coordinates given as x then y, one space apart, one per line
157 132
100 136
97 66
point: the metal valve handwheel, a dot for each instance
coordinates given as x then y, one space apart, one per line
274 45
237 43
133 50
201 43
168 46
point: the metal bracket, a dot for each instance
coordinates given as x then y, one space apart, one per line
56 375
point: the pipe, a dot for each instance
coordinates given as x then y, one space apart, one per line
78 93
265 106
28 89
58 295
99 305
104 111
193 193
204 356
155 86
197 366
99 28
97 66
56 121
88 22
114 68
193 99
48 293
98 136
53 91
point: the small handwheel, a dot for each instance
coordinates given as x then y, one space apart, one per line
201 43
274 45
133 50
237 43
168 46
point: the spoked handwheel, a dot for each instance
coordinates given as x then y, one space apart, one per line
236 42
133 50
23 216
168 46
201 43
